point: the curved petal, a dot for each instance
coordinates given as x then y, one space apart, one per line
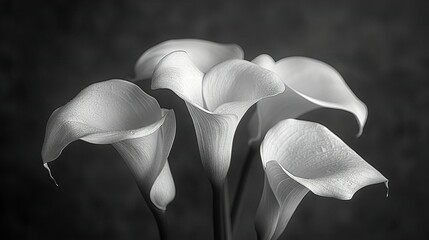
216 101
233 86
204 54
315 157
147 155
215 134
268 211
312 84
321 84
177 73
265 61
118 112
307 155
283 195
163 190
271 110
113 109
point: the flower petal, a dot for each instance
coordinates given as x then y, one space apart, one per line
215 134
118 112
315 157
233 86
283 195
265 61
321 84
146 156
268 211
216 101
177 73
271 110
204 54
307 155
112 109
163 190
312 84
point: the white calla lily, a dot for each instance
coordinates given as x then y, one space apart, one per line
118 112
204 54
298 157
216 101
310 84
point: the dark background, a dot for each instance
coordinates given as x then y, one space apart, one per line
50 50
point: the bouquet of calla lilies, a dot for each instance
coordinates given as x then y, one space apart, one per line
218 88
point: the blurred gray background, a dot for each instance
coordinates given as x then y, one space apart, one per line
50 50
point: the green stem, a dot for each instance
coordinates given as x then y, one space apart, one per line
221 217
237 204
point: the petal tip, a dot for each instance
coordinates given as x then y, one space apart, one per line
361 114
176 64
45 165
360 131
265 61
387 188
237 50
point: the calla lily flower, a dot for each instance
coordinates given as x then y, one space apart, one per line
204 54
298 157
310 84
216 100
118 112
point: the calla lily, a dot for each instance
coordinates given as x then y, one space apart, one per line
310 84
216 100
118 112
204 54
298 157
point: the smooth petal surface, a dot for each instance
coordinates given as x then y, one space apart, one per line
267 214
271 110
233 86
177 73
146 156
310 84
115 112
215 134
216 101
299 156
204 54
230 89
265 61
163 190
112 110
281 196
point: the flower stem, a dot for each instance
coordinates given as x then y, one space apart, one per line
221 214
237 204
161 221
